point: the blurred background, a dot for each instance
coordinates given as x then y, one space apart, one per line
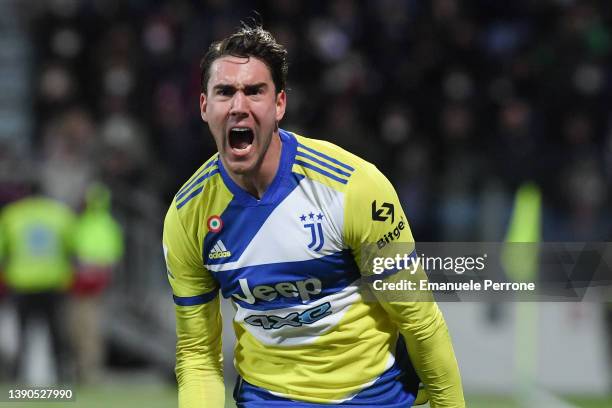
459 103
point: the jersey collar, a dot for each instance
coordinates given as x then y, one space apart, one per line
279 188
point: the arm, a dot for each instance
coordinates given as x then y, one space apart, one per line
199 369
418 320
430 349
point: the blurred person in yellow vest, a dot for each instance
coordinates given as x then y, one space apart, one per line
98 245
35 260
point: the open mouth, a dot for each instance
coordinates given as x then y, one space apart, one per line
240 138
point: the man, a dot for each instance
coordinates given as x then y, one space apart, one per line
98 247
36 262
276 222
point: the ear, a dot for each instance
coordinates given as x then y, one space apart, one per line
281 104
203 105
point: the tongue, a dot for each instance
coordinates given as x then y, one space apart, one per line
240 140
242 144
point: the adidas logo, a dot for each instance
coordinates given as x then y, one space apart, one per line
219 251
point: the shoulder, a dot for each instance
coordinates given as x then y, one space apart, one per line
331 164
198 184
347 170
203 195
47 210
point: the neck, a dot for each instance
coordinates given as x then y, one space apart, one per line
257 181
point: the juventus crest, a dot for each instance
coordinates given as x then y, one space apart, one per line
314 222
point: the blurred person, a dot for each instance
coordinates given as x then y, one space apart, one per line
414 187
13 174
57 88
98 247
461 174
67 157
345 123
126 159
242 224
181 145
586 192
517 141
37 269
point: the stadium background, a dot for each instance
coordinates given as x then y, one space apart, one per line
458 103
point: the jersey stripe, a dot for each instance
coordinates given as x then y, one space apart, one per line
195 300
197 190
331 159
187 188
321 171
193 194
335 272
384 391
322 163
191 182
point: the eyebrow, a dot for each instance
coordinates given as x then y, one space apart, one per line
247 88
254 87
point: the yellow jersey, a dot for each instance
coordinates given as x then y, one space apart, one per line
290 264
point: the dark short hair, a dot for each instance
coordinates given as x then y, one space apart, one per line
249 41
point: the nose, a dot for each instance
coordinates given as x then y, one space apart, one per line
239 104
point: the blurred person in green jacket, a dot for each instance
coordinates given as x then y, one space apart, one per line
35 259
98 247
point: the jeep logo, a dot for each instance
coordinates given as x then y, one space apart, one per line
303 289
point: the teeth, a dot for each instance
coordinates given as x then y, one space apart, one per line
240 129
